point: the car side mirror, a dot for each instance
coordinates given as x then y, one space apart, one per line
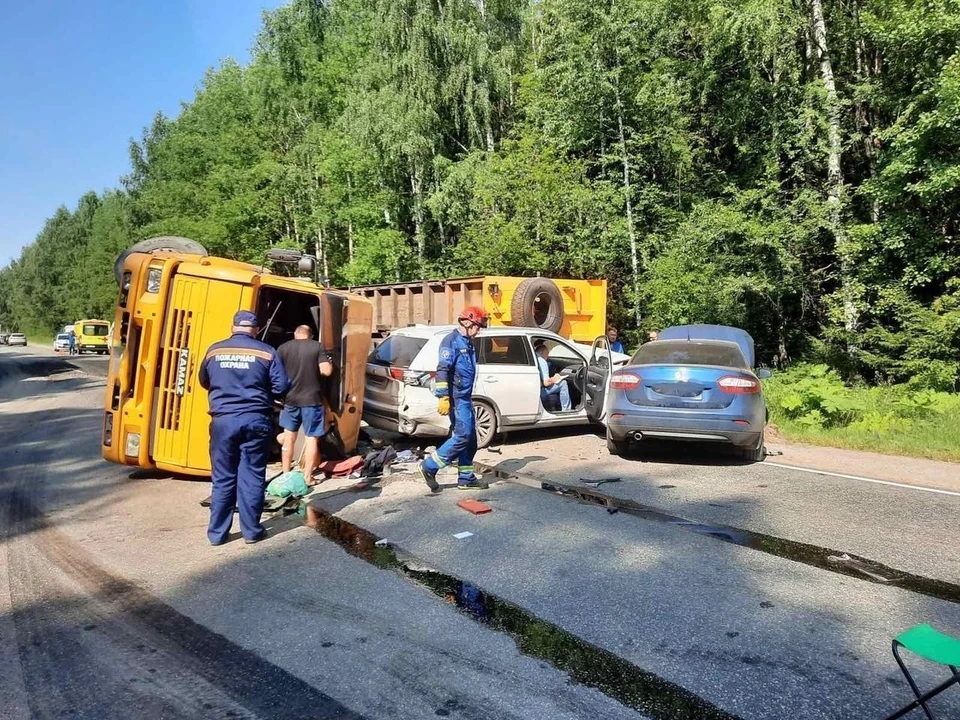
764 373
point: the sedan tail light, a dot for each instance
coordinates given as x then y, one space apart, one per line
625 381
738 384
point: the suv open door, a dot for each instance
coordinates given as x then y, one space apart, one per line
598 379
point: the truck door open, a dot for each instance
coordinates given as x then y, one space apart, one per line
331 320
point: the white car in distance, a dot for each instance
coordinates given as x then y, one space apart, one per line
61 342
401 376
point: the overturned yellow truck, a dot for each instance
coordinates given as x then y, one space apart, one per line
175 300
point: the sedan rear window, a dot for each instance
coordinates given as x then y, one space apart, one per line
397 351
667 352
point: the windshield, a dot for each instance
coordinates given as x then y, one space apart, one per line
682 352
96 330
397 351
61 336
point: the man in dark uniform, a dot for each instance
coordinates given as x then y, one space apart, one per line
456 372
243 376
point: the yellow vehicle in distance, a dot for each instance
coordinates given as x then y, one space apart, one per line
91 336
175 301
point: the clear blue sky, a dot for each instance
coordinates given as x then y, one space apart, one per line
79 79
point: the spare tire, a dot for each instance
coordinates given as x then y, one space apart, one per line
537 303
155 244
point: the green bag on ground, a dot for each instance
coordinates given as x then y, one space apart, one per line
290 483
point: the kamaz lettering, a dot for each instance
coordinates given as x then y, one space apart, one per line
182 364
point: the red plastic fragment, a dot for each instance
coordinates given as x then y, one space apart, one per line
474 506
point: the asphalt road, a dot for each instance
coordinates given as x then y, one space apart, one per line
113 605
116 607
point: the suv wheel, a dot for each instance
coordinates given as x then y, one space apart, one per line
486 419
617 447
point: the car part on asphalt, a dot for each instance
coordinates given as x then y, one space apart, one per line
601 481
474 506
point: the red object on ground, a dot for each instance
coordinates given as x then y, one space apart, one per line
341 468
474 506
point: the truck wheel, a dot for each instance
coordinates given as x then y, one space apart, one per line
486 422
537 302
154 244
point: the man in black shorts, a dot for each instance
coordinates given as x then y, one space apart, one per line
307 364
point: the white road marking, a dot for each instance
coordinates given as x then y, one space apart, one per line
906 486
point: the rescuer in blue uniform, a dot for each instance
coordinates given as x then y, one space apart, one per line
243 376
456 372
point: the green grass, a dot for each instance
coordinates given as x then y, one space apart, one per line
812 406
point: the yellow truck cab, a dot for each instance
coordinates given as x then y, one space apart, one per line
175 301
91 336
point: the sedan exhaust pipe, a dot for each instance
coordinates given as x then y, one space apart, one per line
638 436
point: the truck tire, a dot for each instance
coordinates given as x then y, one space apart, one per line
537 303
163 242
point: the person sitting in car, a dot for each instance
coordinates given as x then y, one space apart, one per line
551 384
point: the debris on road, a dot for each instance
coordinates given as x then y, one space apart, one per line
598 483
463 535
859 566
376 462
474 506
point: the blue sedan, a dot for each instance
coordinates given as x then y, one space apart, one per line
695 382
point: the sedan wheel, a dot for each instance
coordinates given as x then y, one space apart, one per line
755 454
486 420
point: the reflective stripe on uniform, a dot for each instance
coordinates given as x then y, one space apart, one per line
441 463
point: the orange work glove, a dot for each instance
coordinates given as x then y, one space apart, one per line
443 407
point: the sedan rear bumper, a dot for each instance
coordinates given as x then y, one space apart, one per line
624 426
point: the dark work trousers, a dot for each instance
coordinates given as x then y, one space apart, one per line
461 446
239 446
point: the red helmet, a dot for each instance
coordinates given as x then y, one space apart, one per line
474 314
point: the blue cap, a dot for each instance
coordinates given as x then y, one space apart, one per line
245 318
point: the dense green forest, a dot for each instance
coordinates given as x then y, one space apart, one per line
787 166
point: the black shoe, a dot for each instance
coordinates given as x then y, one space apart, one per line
476 484
428 477
258 538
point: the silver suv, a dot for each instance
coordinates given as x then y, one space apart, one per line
401 374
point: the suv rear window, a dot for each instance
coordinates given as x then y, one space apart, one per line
666 352
96 330
397 351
